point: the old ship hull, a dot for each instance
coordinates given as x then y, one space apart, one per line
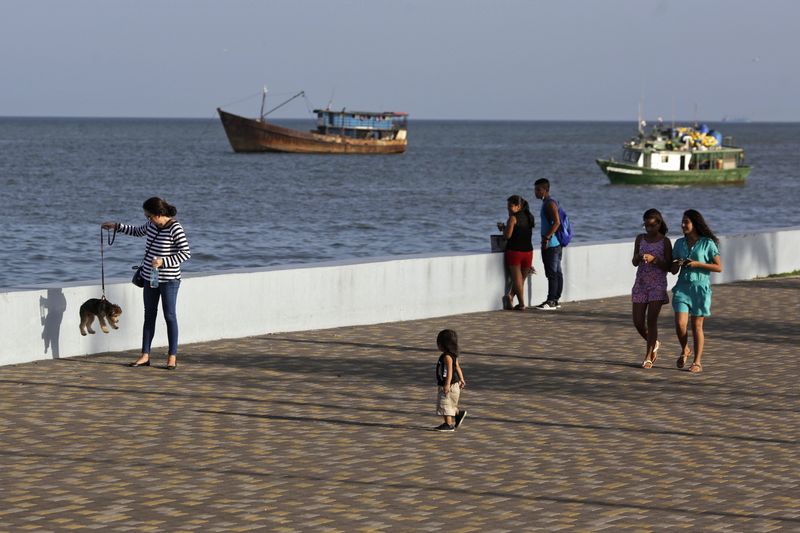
248 135
623 174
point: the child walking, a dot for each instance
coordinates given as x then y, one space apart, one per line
696 255
652 255
450 380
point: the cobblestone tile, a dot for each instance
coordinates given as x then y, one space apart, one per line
331 430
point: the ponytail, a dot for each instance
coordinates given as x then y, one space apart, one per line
526 208
159 207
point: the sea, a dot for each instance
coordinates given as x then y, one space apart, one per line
61 177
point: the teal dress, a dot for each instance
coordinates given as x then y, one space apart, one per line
692 293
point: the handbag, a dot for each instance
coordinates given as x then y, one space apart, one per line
498 243
137 278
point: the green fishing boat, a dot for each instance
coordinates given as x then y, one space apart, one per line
677 156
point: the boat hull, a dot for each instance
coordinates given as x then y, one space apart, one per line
625 174
248 135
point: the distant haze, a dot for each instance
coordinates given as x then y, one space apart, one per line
435 59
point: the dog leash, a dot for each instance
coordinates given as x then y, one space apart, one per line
110 238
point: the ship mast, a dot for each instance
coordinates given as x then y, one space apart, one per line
640 121
263 98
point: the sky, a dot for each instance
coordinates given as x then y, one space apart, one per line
435 59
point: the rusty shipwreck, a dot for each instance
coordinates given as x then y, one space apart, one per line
337 132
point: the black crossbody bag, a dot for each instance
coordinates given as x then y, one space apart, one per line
137 278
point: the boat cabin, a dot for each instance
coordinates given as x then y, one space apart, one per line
720 159
362 124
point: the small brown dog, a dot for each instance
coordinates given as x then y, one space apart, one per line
103 310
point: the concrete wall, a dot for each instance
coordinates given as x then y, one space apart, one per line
43 323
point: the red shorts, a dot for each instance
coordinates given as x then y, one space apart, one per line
523 259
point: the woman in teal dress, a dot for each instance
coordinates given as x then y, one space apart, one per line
696 255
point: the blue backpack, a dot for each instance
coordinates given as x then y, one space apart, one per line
564 231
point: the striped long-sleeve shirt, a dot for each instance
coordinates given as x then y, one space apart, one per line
170 244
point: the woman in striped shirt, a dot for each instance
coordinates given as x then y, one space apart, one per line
167 247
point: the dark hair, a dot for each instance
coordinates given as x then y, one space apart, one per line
159 207
700 225
544 182
524 207
447 341
655 214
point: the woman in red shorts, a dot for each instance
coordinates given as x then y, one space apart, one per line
519 249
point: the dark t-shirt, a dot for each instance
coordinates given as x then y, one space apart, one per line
520 240
441 370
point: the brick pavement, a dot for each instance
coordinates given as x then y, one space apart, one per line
330 430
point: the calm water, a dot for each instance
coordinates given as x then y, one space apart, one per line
61 177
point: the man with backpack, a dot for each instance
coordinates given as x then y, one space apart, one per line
556 233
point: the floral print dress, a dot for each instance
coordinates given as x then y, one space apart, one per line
651 281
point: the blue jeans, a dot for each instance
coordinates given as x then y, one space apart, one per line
551 257
167 292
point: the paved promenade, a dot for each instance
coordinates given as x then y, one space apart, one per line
331 430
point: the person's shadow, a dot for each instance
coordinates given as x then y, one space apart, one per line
51 310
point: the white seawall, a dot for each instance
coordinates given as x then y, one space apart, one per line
43 323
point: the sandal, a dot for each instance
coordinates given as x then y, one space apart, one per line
648 363
507 303
695 368
519 307
681 362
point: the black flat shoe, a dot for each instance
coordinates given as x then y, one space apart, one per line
171 367
136 365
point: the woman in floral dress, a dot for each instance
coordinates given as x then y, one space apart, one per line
652 255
